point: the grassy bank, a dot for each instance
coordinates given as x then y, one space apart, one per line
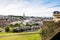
22 37
16 36
49 29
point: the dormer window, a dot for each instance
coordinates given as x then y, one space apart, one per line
56 12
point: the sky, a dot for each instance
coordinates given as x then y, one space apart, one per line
29 7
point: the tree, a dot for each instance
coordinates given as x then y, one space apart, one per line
21 24
6 19
16 25
7 29
36 24
28 25
11 25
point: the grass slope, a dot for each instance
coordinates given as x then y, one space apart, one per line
14 36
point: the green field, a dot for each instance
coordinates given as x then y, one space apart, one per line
20 36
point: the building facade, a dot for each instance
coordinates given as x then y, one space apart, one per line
56 16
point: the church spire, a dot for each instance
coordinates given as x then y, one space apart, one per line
23 14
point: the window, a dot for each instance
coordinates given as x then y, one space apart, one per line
58 17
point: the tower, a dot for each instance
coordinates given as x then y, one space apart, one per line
56 15
24 14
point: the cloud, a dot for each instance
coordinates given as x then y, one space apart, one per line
30 7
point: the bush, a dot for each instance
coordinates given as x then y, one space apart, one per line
7 29
17 30
44 33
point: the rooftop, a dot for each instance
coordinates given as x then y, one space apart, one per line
56 12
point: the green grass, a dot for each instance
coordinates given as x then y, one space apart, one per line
22 37
14 36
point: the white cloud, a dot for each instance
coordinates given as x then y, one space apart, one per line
30 9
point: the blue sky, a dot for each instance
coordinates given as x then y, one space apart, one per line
30 7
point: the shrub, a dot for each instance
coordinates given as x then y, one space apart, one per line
17 30
7 29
